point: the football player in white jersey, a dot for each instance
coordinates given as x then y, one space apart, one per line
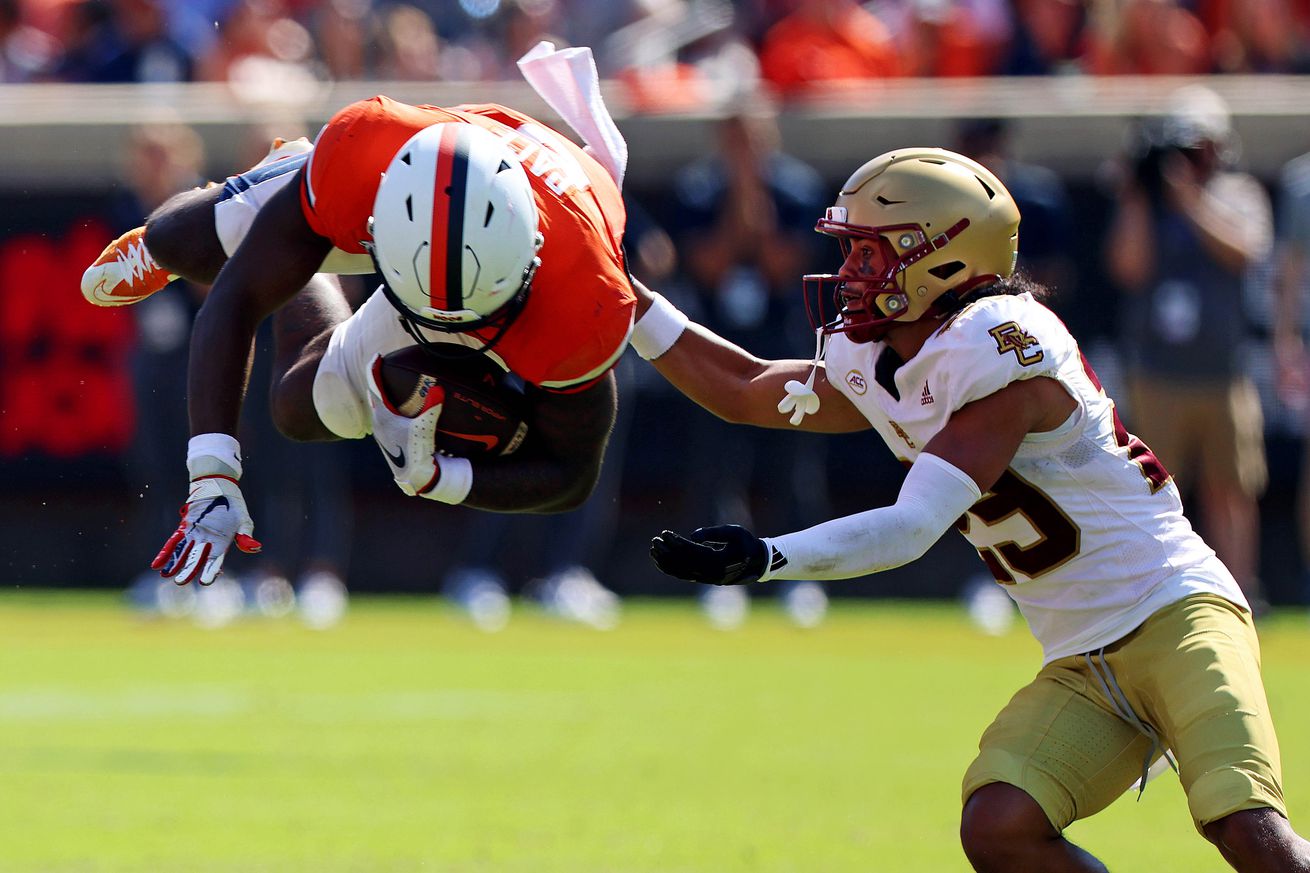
1148 644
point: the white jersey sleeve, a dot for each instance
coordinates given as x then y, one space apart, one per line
1085 529
989 345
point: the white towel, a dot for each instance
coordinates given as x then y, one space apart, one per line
567 80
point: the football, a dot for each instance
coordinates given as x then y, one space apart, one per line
484 409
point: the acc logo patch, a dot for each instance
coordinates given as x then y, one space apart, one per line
856 380
1012 338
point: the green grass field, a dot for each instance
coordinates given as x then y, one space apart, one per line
405 740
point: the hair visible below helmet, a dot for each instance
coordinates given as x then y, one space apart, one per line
455 231
945 224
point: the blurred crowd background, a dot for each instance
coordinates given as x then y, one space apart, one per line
1177 264
669 50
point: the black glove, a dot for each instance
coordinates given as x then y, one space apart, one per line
726 554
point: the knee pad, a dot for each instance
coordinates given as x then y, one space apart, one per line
340 409
341 380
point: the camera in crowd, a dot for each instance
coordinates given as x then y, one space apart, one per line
1197 127
1152 146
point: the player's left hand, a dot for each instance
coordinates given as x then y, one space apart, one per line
409 444
213 517
725 554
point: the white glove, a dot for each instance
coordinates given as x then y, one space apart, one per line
409 444
800 400
213 517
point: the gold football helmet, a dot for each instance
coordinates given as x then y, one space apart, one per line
944 224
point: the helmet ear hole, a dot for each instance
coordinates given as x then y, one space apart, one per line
947 270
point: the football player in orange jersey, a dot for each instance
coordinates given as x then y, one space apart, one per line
493 235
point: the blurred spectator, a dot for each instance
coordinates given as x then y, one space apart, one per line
98 48
1047 232
1290 322
520 25
1186 230
1254 36
744 219
26 52
409 48
592 22
683 57
341 35
262 51
150 54
1150 38
191 22
948 38
122 41
825 42
1050 36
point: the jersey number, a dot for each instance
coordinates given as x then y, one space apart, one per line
1059 538
1138 452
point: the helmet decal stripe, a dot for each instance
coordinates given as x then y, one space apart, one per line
455 155
440 212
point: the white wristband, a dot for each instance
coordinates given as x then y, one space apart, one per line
777 557
657 330
213 454
455 481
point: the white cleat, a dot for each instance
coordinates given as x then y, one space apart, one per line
480 594
990 609
806 604
219 604
726 606
576 595
322 600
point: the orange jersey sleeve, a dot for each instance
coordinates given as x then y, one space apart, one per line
350 155
579 310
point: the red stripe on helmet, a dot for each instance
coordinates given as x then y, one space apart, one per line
442 209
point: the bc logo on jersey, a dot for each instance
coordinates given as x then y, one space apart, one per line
1012 338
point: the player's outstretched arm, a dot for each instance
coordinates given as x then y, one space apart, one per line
728 380
278 257
949 476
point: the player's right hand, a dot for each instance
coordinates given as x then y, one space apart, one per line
725 554
213 517
409 444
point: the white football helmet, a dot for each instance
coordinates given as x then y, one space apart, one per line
455 230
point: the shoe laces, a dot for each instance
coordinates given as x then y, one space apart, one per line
137 260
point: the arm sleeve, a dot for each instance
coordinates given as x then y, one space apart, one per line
934 495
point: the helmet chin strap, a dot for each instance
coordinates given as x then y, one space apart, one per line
801 399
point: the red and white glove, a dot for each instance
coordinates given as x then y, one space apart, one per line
213 517
408 442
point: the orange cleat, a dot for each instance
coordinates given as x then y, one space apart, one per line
125 273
